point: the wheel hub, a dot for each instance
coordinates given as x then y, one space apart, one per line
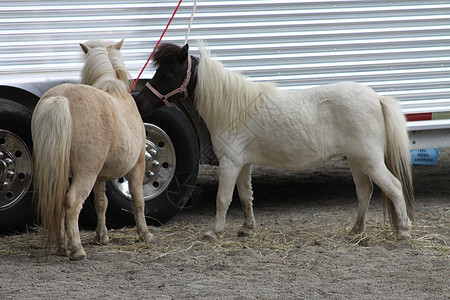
160 163
16 169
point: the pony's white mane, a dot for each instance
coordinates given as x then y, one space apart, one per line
105 69
226 99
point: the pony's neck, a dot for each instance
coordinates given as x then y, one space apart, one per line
105 72
227 100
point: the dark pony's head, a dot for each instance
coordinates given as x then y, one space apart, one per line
170 78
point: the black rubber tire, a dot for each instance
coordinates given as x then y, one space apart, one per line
168 204
16 118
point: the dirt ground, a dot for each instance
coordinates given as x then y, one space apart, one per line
301 249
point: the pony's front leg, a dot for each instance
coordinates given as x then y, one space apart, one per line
228 172
244 186
101 203
135 179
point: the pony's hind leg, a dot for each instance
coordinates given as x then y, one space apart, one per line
244 187
364 190
227 179
78 192
61 238
392 187
135 179
101 203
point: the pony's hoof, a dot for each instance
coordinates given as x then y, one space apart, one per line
81 258
355 230
210 235
244 231
101 240
404 235
148 238
78 255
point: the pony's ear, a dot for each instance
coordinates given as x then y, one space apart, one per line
184 52
119 45
85 48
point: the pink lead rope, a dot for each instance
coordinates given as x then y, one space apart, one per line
157 44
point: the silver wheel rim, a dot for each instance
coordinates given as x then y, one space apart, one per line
16 169
160 163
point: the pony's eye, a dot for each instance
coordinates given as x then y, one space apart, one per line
168 75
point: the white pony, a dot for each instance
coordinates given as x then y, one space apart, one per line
257 123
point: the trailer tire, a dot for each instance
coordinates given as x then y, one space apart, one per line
175 131
16 167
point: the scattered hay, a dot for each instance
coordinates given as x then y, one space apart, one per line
432 232
283 237
21 244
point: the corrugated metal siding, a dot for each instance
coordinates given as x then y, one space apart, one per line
399 48
40 38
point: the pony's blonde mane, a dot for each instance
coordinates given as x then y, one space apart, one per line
105 69
226 99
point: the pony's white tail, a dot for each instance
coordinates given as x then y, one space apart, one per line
51 129
397 156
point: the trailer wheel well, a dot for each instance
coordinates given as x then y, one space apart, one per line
19 95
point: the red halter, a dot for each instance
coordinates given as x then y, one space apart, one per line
181 89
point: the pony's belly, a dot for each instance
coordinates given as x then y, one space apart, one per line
110 172
300 161
124 153
118 166
273 152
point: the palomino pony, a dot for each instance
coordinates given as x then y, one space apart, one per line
257 123
90 132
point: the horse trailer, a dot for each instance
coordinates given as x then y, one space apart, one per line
398 48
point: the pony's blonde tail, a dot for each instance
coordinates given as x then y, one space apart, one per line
397 156
51 129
